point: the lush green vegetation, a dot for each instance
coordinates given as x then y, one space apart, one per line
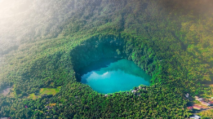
172 44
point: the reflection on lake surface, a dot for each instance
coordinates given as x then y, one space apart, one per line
122 75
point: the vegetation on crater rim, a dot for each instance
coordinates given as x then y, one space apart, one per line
173 47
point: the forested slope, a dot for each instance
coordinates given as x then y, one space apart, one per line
171 41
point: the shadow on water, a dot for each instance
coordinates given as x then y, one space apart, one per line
122 75
95 53
94 66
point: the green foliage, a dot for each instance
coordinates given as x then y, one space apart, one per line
174 48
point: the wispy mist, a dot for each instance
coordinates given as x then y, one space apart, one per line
197 7
22 21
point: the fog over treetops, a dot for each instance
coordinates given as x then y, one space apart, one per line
46 45
22 21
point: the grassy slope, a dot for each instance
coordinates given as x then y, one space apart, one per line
45 91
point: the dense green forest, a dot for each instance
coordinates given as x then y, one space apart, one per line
170 40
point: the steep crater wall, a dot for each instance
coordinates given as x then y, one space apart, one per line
63 67
107 49
95 50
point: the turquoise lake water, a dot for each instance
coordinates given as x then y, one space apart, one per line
122 75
